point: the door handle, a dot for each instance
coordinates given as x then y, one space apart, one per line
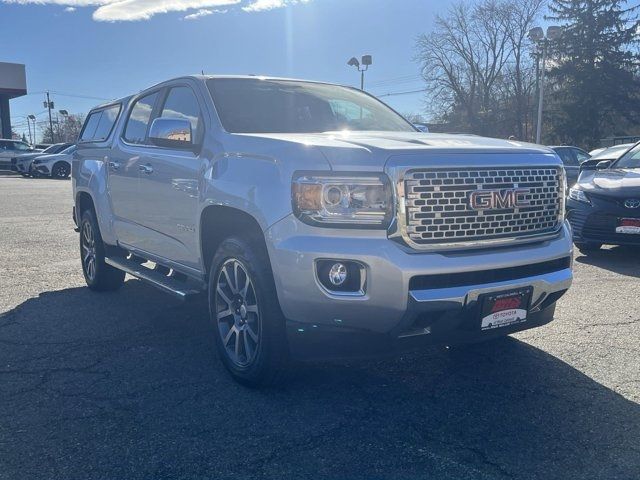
146 168
114 165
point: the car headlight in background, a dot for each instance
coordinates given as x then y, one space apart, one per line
578 195
343 200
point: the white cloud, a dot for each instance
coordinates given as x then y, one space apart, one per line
203 12
128 10
261 5
131 10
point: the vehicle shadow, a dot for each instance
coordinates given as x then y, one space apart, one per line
126 385
621 259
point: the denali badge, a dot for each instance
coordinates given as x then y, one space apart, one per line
496 199
632 203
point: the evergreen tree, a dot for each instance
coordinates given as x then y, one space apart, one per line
595 73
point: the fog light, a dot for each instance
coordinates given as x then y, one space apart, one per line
341 276
338 274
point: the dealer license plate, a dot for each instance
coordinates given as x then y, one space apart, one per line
504 309
628 225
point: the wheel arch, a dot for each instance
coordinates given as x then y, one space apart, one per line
218 222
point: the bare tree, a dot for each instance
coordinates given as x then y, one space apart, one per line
65 129
521 71
476 66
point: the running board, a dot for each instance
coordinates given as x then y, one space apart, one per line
177 288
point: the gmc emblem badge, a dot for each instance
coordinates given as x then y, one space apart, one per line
499 199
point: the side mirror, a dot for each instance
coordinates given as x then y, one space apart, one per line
590 165
603 165
171 133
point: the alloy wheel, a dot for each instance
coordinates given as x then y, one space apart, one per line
88 243
237 313
61 171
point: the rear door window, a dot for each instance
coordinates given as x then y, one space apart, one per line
139 119
581 155
106 123
90 126
99 124
567 157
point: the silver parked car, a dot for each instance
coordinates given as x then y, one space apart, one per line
318 221
10 149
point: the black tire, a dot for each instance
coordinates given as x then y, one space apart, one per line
98 275
262 362
25 175
60 171
588 247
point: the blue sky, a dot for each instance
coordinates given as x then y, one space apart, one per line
105 50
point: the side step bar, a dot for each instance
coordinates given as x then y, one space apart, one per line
177 288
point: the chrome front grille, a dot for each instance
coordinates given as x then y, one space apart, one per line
438 208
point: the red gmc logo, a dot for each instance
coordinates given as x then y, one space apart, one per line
496 199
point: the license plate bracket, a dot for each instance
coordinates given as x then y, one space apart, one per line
505 308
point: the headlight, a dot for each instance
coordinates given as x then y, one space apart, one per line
578 195
343 200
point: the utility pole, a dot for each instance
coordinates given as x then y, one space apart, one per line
29 126
49 105
29 119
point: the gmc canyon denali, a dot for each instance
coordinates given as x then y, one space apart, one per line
318 220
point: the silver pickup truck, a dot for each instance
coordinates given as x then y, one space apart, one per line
319 221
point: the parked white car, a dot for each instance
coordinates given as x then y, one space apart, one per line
22 163
54 166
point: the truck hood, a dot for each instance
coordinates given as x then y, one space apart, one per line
367 150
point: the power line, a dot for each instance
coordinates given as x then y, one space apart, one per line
72 95
393 94
396 80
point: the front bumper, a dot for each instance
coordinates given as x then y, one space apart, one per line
596 223
41 169
409 298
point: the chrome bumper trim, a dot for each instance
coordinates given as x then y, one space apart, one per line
458 297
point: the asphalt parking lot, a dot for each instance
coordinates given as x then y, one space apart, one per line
126 385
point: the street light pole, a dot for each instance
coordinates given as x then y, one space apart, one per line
362 66
537 35
541 91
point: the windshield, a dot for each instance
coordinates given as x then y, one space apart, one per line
58 147
612 153
631 159
285 106
69 150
